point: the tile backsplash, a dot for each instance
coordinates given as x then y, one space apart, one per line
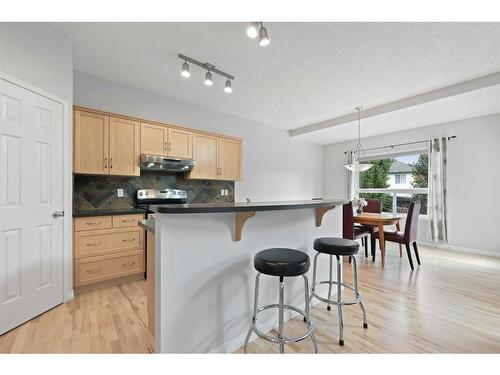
99 192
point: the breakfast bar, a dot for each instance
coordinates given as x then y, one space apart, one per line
203 278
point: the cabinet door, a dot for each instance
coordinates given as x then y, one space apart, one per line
229 159
180 143
205 156
124 147
91 141
153 139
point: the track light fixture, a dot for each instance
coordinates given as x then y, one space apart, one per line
208 79
253 30
208 75
257 29
185 70
228 87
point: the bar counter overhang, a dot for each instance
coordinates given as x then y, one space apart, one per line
204 267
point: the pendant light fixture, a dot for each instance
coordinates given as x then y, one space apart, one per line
355 166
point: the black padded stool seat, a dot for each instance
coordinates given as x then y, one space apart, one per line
281 262
336 246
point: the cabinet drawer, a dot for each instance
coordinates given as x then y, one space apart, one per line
92 223
123 221
101 242
94 269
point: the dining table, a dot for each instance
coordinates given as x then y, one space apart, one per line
380 220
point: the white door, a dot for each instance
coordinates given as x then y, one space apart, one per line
31 189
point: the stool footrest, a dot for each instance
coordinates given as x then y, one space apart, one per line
276 339
334 302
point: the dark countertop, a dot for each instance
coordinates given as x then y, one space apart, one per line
148 224
108 212
243 206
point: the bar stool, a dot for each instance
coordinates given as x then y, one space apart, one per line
283 263
338 247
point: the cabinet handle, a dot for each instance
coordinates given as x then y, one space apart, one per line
105 163
111 163
166 147
94 244
129 264
93 223
128 240
94 271
128 221
169 146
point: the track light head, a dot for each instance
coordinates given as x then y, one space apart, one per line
208 79
228 87
263 37
253 30
185 70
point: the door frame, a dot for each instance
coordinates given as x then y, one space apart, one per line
67 181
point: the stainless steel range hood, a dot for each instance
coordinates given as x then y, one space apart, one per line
165 164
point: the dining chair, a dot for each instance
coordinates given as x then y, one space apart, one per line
374 206
351 231
409 236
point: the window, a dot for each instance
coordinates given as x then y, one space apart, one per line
396 180
400 178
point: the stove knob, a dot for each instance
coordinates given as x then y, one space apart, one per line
140 194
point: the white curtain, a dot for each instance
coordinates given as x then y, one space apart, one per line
437 206
352 178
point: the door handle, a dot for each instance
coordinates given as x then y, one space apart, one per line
57 214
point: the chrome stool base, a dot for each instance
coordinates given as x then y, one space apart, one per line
281 339
339 302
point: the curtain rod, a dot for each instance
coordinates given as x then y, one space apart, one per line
402 144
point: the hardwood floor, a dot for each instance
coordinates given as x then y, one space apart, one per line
450 304
110 320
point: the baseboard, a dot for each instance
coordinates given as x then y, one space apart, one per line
464 250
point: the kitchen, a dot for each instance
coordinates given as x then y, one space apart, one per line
177 199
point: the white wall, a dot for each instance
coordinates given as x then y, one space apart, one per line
275 167
36 54
473 177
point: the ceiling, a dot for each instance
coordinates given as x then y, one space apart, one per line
311 72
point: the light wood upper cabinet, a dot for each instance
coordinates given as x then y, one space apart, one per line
91 142
124 147
180 143
229 158
154 139
105 143
166 141
205 156
216 158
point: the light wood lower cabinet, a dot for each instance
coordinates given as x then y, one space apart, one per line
107 247
105 267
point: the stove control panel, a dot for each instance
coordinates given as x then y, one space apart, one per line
147 194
